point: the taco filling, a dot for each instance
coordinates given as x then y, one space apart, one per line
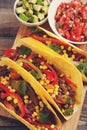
60 87
64 49
16 94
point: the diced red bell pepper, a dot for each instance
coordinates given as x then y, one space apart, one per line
10 53
70 82
52 40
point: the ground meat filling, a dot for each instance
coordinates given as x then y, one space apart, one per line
3 70
66 94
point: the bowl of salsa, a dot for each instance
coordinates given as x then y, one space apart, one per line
68 20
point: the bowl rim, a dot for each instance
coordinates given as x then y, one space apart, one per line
26 23
51 14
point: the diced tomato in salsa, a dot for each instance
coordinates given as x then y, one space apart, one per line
71 20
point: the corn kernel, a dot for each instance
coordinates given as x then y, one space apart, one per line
42 63
37 107
4 81
37 118
61 75
73 56
26 97
52 126
20 63
53 95
41 67
21 56
44 35
15 101
13 90
65 55
69 48
50 90
44 75
35 114
63 110
62 47
46 129
56 89
56 86
9 87
47 81
37 111
56 93
7 77
9 98
41 82
31 60
64 51
26 101
41 108
48 42
44 67
41 104
24 56
81 60
67 93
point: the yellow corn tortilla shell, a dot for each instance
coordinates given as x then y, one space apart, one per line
60 63
34 84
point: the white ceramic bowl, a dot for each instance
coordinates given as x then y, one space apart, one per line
51 13
27 23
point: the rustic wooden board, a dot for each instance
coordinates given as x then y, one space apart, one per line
68 125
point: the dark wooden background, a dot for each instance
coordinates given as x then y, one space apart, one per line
8 30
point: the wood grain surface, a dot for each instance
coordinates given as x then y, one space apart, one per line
8 29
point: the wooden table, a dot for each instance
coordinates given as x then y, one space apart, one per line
8 29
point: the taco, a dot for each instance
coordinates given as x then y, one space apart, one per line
61 81
75 55
19 95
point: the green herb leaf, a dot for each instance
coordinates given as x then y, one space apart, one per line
83 67
68 111
23 88
55 47
69 100
34 30
44 116
25 50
